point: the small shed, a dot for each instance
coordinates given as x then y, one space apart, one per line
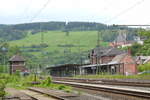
17 62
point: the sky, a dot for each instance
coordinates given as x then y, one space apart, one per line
102 11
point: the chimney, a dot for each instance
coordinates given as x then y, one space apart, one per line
129 51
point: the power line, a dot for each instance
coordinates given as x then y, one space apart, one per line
44 6
27 8
125 11
42 35
132 25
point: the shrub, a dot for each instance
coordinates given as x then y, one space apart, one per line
47 82
17 73
2 87
61 87
144 67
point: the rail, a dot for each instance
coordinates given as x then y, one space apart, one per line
105 81
117 90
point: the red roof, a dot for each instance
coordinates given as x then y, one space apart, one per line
17 58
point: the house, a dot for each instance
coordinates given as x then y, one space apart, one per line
17 63
122 64
121 44
102 60
142 59
101 55
122 41
129 65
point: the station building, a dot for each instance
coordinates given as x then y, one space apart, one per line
103 60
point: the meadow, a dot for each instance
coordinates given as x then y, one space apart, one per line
59 43
87 39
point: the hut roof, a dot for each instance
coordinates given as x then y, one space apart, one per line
17 58
108 51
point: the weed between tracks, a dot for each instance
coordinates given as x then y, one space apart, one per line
146 77
20 82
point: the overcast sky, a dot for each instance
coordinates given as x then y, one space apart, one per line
104 11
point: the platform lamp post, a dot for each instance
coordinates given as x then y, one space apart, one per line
4 52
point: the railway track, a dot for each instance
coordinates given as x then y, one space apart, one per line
34 94
105 82
42 94
116 90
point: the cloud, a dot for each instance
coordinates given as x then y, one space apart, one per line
22 11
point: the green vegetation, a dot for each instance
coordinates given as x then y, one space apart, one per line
56 39
20 31
144 67
2 87
146 77
19 82
3 82
59 48
58 42
144 50
6 51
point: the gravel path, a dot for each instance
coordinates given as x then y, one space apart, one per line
16 95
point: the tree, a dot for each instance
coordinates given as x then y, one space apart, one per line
144 49
135 49
14 50
144 33
145 67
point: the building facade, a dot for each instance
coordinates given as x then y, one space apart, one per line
102 55
103 60
17 63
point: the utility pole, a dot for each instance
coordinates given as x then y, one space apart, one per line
97 57
80 53
41 44
98 39
4 54
42 34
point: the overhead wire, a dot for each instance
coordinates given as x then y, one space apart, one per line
125 11
35 16
43 7
26 10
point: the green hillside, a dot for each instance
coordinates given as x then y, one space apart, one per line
60 46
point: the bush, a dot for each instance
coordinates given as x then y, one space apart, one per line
2 87
47 82
61 87
144 67
17 73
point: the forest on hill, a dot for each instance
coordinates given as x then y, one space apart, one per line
20 31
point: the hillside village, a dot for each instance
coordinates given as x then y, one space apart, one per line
74 50
114 64
43 61
101 60
111 60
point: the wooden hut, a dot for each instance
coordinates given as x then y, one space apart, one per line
17 62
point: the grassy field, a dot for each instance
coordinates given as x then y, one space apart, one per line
81 40
54 38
